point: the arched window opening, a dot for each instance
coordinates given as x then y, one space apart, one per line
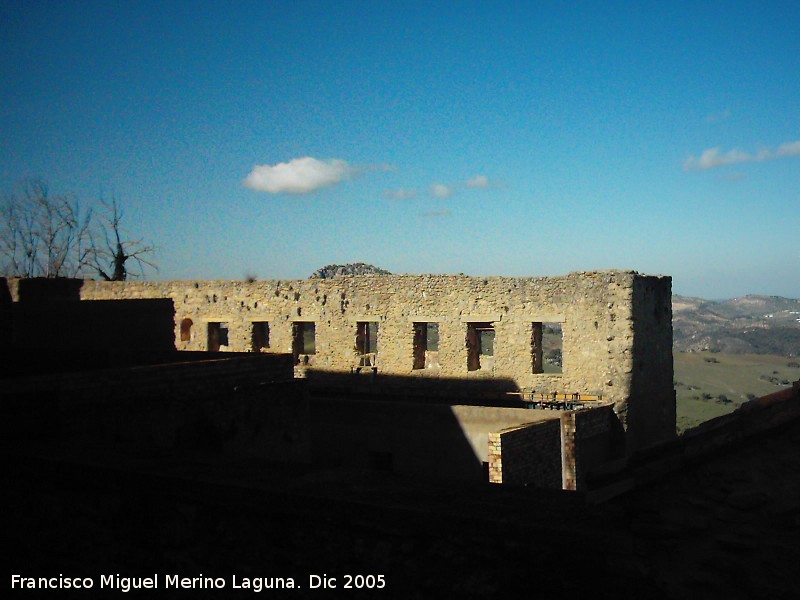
186 330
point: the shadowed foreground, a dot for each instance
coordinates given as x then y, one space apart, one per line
725 528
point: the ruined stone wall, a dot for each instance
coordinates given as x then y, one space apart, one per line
587 441
6 322
651 410
86 327
240 404
606 333
527 455
556 454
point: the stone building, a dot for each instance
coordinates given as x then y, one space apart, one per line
467 333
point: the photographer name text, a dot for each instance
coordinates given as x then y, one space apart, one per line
170 582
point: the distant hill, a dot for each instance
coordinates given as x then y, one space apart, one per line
746 325
330 271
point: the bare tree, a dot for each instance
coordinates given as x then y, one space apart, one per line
44 235
117 249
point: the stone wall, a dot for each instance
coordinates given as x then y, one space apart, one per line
616 325
191 378
234 405
6 323
527 455
556 454
756 422
47 328
651 406
587 441
78 327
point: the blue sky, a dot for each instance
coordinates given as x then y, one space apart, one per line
487 138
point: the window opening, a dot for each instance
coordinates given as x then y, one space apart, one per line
217 336
304 343
426 345
547 344
480 345
186 330
260 336
366 343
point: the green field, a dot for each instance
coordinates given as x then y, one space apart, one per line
711 384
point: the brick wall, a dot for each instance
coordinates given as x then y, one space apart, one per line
558 453
527 455
587 441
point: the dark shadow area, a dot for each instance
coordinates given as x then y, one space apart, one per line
725 528
49 329
425 441
5 293
43 290
722 528
755 420
6 308
434 428
477 391
249 405
425 541
165 473
45 363
156 406
651 408
135 326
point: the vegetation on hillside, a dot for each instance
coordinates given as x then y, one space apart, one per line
707 386
746 325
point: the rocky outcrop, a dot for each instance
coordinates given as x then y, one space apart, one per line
331 271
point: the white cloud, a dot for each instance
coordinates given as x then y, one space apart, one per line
788 149
298 176
479 181
400 194
713 157
441 190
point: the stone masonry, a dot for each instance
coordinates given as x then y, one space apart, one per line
617 330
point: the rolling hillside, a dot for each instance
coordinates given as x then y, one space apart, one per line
729 351
746 325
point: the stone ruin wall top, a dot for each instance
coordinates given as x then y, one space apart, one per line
594 308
